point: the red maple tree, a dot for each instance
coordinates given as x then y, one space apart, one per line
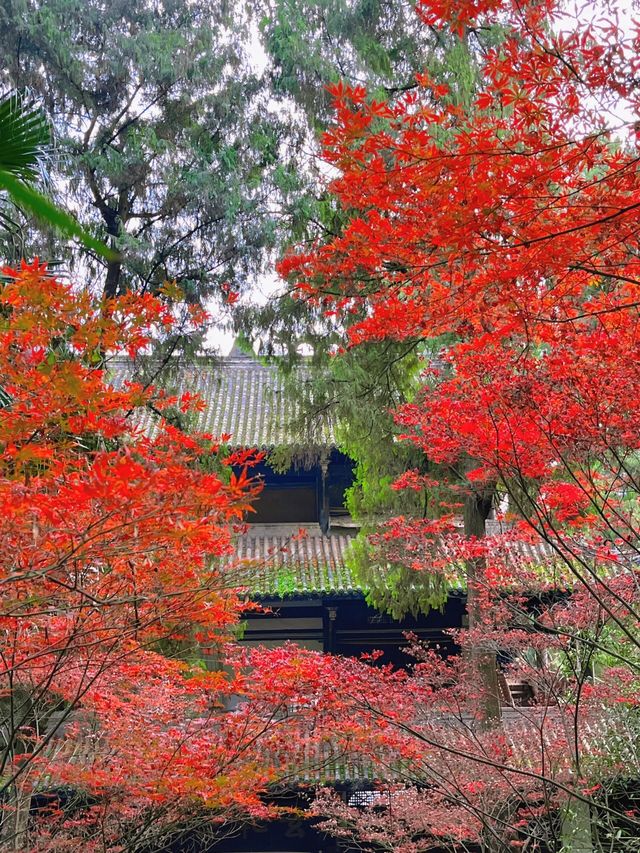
508 230
115 573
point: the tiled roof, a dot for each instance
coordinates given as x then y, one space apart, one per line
547 726
279 564
327 763
242 397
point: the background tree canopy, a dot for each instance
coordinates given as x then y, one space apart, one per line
186 132
169 143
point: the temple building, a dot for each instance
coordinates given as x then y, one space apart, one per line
295 551
294 555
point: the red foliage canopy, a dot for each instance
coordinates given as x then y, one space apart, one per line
508 230
114 572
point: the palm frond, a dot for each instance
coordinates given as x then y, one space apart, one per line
34 202
25 136
25 141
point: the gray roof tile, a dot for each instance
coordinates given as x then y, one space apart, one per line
243 398
279 564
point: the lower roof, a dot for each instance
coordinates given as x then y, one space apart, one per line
282 561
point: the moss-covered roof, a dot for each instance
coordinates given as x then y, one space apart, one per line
276 562
282 564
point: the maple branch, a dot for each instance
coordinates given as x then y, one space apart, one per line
494 763
574 228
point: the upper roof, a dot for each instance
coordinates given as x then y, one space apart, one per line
243 398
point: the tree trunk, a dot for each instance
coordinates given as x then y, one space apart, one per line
115 220
112 281
477 507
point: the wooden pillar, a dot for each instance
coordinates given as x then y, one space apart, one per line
329 615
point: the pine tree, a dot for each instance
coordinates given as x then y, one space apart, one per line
167 143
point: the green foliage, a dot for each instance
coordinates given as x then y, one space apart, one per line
168 138
24 143
365 386
392 587
25 135
315 42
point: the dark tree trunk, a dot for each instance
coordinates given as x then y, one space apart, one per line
112 281
477 507
114 219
